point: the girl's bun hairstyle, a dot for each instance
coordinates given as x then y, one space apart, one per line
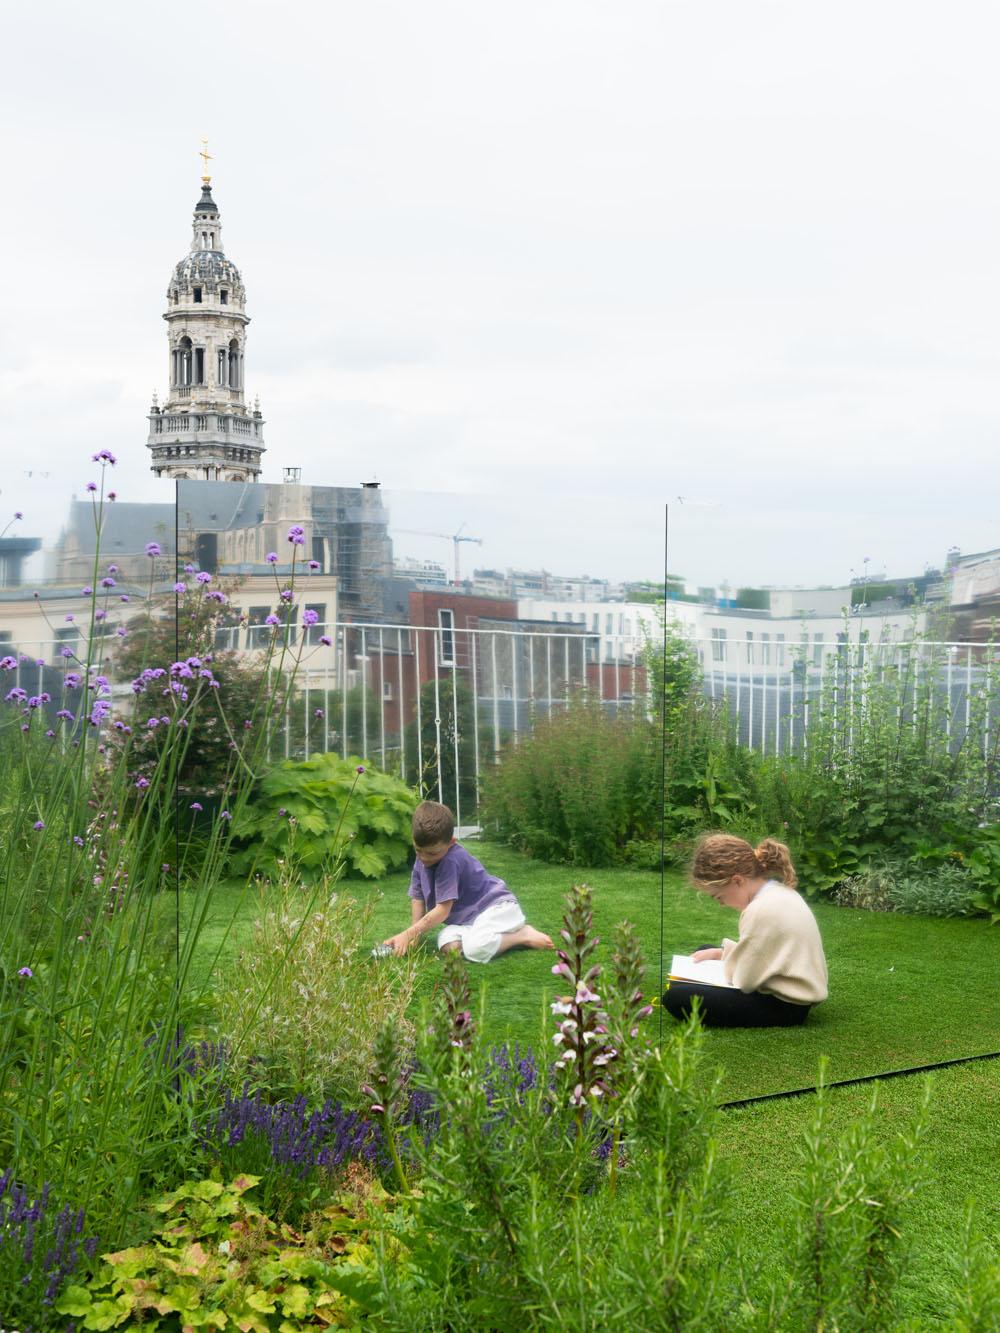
720 856
775 861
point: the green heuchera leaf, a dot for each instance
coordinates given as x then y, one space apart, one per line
74 1301
296 1300
207 1189
108 1314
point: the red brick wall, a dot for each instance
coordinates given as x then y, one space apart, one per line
424 607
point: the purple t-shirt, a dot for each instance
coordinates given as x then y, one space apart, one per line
460 879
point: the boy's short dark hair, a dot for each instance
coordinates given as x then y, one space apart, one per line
432 823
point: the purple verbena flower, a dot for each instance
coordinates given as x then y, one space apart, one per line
25 972
104 456
153 549
272 557
180 588
310 617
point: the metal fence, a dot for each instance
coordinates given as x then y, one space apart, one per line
955 688
433 704
439 703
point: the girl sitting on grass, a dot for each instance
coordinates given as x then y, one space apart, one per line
777 965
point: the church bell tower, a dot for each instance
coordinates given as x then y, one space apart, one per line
205 430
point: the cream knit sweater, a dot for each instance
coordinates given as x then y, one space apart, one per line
779 951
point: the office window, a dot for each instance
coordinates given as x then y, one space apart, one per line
779 650
258 634
765 650
718 645
750 647
446 640
817 650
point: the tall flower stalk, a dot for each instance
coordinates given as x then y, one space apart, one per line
626 1011
586 1053
389 1096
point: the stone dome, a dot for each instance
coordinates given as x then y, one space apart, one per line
208 268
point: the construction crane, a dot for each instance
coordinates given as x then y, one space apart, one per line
456 538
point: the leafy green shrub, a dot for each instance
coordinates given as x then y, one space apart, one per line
844 1224
314 996
217 1261
984 868
945 890
871 889
579 788
893 885
311 814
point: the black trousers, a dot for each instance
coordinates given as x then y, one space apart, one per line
722 1007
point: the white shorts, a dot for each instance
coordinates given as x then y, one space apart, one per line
480 939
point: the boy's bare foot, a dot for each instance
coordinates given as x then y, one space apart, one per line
536 939
525 937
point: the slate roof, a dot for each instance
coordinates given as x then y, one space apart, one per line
206 204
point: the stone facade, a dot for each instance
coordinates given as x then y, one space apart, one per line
205 430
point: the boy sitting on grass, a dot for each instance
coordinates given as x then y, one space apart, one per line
448 885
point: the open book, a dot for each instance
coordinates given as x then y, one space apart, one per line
708 973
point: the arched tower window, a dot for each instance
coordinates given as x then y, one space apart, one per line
184 362
234 364
220 373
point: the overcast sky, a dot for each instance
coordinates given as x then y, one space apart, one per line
602 255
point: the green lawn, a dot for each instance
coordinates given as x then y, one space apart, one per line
904 991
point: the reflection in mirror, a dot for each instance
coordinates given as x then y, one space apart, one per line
857 723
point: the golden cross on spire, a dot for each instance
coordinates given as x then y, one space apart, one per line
206 157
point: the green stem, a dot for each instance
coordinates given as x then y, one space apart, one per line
390 1139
